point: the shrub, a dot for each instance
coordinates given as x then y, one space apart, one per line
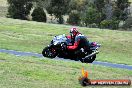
128 23
39 15
110 24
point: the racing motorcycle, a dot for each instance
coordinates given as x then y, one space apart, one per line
57 47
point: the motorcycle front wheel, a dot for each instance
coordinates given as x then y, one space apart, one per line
49 52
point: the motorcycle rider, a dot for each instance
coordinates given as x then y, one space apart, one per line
78 42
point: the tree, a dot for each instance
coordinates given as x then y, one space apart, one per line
91 16
78 5
122 6
99 4
108 9
58 8
116 12
19 9
42 3
74 18
39 15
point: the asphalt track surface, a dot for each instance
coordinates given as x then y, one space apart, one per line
20 53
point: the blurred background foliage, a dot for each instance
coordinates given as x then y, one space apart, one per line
111 14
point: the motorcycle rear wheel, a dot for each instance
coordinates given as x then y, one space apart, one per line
88 60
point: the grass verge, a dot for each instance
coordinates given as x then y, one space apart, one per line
31 72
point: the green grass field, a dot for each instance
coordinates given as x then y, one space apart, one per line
31 72
34 36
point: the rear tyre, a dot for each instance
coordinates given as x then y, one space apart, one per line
49 52
88 60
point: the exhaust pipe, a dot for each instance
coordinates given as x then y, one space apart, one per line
92 54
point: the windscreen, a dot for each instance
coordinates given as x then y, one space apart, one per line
59 39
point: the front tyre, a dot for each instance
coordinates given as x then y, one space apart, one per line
49 52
